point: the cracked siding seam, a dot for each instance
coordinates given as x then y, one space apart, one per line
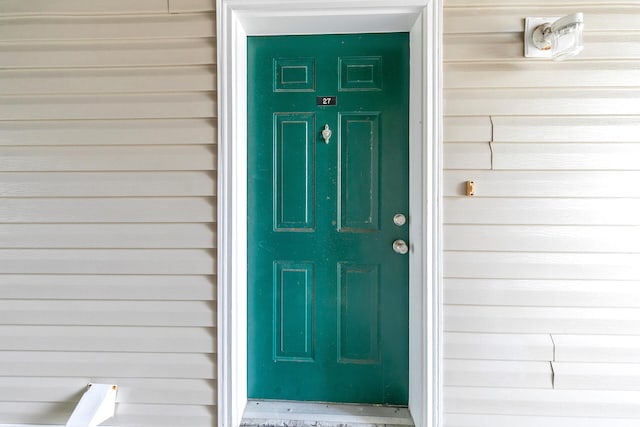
553 372
491 141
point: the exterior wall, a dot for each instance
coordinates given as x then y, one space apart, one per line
107 208
107 214
542 266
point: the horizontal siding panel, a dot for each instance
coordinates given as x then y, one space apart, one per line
559 156
596 376
37 413
108 158
165 391
107 338
540 320
80 7
467 129
129 53
96 210
113 365
484 47
463 155
109 132
510 19
539 129
550 3
544 293
566 184
108 287
501 47
153 415
467 102
540 74
498 20
541 211
166 415
107 184
177 6
107 313
163 26
534 402
482 420
187 236
107 261
550 265
140 106
130 390
142 415
492 373
542 238
91 80
460 345
597 348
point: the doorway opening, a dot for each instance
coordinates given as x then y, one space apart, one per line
238 19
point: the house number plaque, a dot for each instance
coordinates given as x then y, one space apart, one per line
326 100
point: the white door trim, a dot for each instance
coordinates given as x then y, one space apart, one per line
236 19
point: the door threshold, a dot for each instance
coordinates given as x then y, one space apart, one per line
274 413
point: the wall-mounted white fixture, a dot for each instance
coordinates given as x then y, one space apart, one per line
556 38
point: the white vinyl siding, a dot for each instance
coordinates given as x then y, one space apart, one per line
542 265
108 209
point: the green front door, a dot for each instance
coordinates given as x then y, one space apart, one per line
327 292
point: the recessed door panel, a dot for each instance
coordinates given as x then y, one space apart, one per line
358 299
328 172
361 73
293 310
294 171
294 74
358 173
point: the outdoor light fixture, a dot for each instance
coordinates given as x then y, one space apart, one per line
556 38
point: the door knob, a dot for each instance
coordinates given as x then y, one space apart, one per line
399 219
400 246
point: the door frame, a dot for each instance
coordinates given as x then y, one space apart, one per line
237 19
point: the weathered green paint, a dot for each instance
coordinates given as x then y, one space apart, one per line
328 297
